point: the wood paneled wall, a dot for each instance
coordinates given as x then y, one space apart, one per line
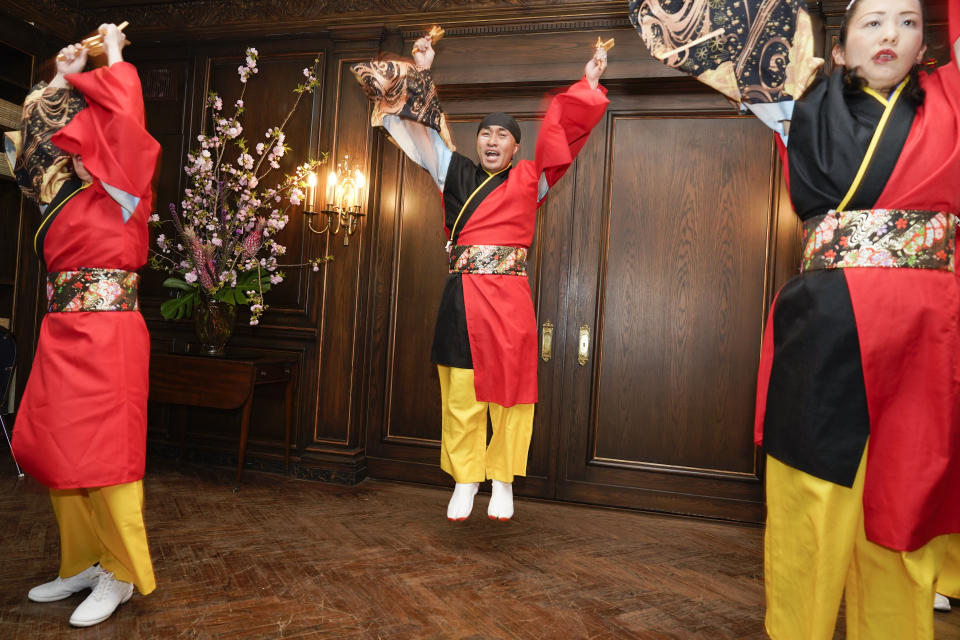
316 318
666 239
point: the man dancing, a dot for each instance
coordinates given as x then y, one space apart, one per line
485 342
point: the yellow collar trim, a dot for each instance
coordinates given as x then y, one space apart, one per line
47 218
498 172
490 176
884 100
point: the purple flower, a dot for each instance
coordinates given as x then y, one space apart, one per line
251 244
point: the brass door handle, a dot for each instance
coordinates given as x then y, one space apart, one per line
546 341
583 345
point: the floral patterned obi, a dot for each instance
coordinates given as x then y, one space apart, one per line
91 289
488 259
880 238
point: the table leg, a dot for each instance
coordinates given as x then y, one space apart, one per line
183 427
287 419
244 431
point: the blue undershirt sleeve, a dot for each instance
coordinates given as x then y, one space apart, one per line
422 145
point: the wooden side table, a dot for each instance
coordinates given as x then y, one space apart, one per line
222 382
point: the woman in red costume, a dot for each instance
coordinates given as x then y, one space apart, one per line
859 391
858 403
81 426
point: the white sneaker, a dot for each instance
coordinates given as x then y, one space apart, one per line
109 594
65 587
941 602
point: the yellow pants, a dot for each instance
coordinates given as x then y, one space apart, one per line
464 452
105 525
949 581
816 552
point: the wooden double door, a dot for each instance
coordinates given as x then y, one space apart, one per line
651 273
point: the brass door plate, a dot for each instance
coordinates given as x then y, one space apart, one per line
546 341
583 345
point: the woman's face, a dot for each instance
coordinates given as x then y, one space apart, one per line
81 170
884 40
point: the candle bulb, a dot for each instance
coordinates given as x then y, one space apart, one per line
360 182
331 188
310 204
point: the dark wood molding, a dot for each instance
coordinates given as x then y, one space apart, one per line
509 28
343 467
58 18
365 36
323 468
209 19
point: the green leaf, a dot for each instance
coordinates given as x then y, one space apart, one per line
226 294
179 307
179 283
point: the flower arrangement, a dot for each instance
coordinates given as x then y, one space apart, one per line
223 246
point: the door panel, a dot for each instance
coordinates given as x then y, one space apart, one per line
676 262
421 272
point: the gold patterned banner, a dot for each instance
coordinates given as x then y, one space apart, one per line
752 51
399 87
41 167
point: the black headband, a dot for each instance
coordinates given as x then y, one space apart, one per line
501 120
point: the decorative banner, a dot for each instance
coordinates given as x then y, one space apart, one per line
752 51
41 167
397 86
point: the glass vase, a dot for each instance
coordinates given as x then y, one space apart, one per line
213 324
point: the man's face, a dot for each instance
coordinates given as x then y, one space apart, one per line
496 147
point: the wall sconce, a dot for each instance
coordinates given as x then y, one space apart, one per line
343 195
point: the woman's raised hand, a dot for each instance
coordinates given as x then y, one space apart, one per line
71 59
113 42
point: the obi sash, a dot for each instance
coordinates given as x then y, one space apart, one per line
92 289
488 259
880 238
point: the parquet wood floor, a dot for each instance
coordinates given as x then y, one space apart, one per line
286 558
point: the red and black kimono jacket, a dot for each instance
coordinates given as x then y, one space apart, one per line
857 353
82 420
487 322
